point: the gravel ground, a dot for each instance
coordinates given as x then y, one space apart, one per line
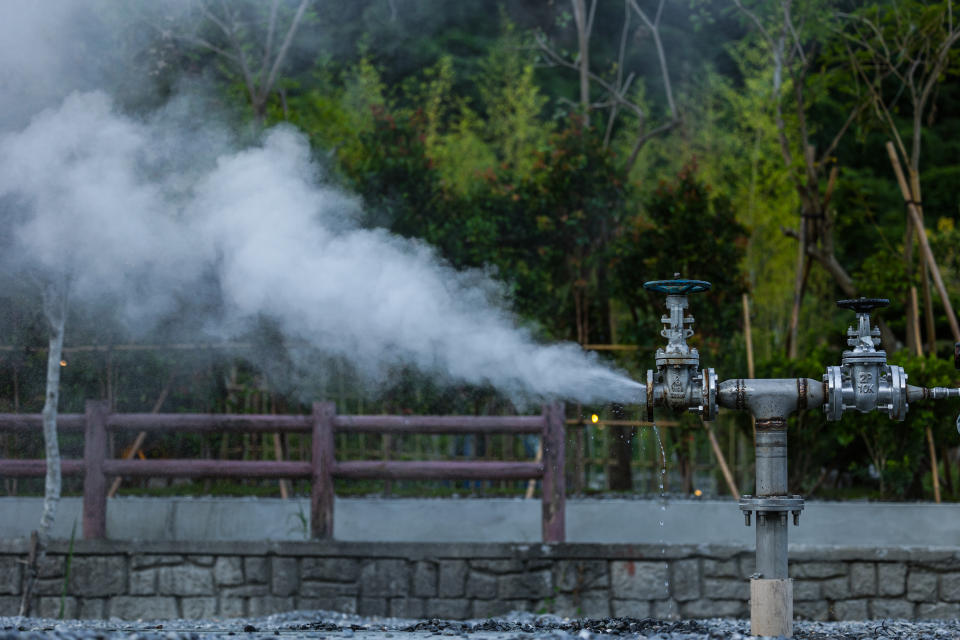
326 625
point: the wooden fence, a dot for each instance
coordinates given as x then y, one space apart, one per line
323 466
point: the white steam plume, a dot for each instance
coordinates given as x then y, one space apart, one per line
138 211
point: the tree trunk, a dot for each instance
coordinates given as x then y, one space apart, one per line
55 307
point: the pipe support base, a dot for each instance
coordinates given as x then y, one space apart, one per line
771 607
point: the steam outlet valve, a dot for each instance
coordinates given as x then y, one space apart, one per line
864 381
678 382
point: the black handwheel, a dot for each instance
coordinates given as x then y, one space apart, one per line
863 305
677 287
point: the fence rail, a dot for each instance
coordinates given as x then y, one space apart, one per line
322 467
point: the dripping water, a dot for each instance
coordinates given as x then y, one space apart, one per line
663 512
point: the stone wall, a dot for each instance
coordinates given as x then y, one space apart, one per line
132 580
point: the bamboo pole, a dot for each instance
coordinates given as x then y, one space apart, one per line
142 436
722 461
927 299
915 313
748 338
933 466
924 243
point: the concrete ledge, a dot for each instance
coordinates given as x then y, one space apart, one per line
517 521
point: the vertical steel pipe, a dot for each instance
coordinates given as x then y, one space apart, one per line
771 460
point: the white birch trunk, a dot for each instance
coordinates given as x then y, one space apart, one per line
55 308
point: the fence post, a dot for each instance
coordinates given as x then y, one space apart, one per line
94 480
321 491
554 480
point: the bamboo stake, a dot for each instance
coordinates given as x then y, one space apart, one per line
924 243
142 436
722 461
933 466
748 336
532 483
927 299
915 311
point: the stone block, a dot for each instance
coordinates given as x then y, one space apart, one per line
49 607
385 579
631 608
231 607
812 610
201 560
11 574
9 605
493 608
269 604
372 606
938 611
536 584
726 589
580 575
950 587
48 587
505 565
143 607
448 608
283 576
452 575
143 582
806 590
406 608
836 588
425 579
344 604
153 560
638 580
327 589
185 580
255 569
685 580
584 604
481 585
228 571
246 591
863 579
922 586
665 609
891 578
851 609
92 609
891 608
50 567
817 569
721 569
94 576
330 569
199 607
709 608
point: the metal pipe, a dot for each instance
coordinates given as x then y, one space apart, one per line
770 398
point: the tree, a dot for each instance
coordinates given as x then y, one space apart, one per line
616 89
900 53
55 311
800 79
228 29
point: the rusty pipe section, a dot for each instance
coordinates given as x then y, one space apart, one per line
773 398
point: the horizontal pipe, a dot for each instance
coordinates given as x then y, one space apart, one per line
439 424
210 468
37 468
438 470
